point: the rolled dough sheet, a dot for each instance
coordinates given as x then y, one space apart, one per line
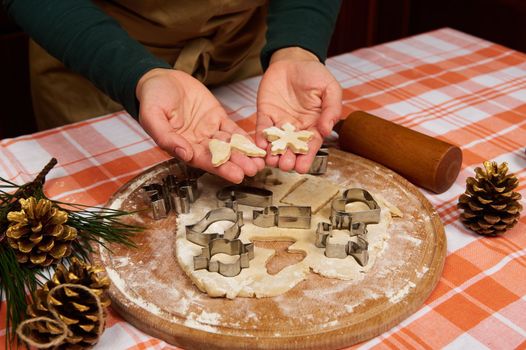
255 281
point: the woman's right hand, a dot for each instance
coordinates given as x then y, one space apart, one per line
182 116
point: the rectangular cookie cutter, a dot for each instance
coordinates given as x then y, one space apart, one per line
232 196
283 216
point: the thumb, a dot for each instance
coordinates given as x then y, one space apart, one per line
156 124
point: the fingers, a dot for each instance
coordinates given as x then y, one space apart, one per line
229 126
157 125
247 165
229 170
263 121
287 161
331 108
304 161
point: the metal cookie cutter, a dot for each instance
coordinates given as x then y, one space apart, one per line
231 196
196 233
283 216
342 219
358 250
225 246
319 164
174 194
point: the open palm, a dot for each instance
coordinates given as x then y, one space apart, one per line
303 93
182 116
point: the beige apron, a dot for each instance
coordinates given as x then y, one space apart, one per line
217 41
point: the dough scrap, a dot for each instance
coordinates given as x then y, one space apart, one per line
316 192
279 182
287 137
255 281
221 150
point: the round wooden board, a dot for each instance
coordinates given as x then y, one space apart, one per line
151 291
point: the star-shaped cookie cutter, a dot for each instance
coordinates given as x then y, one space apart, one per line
229 247
196 233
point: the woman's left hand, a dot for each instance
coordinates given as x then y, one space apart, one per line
298 89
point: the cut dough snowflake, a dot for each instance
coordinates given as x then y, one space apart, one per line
287 137
222 150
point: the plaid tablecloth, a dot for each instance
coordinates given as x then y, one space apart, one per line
446 84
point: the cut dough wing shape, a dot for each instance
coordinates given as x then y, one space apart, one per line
220 150
287 137
243 144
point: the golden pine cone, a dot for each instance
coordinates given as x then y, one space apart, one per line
76 308
38 232
490 206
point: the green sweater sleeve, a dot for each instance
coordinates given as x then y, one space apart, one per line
304 23
89 42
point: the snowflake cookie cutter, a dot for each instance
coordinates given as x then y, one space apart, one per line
232 196
342 219
298 217
230 247
196 233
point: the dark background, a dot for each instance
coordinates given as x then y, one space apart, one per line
361 23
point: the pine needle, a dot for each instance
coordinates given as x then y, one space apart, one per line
95 225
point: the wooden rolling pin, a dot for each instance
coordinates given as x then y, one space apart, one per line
423 160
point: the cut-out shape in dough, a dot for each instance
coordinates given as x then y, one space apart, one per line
287 137
222 150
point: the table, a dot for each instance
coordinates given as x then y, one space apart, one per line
445 83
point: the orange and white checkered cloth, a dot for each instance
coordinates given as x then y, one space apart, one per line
447 84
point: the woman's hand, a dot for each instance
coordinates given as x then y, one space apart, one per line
182 116
297 88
